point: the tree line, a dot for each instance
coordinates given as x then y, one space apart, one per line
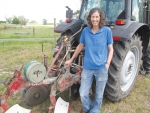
17 20
23 21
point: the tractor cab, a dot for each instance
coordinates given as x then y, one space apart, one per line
132 10
113 9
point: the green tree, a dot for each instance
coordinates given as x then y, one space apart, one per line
60 21
32 21
44 21
9 20
2 22
23 20
76 13
15 21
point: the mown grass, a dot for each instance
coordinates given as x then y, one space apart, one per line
15 53
28 31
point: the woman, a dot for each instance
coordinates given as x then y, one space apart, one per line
98 41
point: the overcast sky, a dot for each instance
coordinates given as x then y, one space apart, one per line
37 9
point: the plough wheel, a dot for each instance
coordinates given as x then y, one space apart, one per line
36 95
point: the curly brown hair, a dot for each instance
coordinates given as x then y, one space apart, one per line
102 17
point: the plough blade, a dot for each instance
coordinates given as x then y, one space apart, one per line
18 109
61 106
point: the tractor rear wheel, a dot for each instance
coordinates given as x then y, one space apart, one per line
146 60
124 68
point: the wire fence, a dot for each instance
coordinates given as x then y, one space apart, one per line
29 31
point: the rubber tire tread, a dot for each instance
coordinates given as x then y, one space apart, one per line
146 60
59 42
113 91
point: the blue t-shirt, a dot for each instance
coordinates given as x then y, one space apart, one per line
96 47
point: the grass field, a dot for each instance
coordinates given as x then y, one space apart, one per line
15 53
28 31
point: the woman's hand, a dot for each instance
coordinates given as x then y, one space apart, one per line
107 65
77 51
68 62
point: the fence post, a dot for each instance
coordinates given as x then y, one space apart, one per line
54 28
33 31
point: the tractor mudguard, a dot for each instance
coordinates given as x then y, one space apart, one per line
127 31
73 26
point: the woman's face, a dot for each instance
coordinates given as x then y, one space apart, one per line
95 19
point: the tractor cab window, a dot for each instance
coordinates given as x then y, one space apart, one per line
135 10
112 8
115 10
141 12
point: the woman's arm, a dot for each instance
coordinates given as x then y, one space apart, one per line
110 55
77 51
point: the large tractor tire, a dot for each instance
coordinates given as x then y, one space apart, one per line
124 68
58 44
146 60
